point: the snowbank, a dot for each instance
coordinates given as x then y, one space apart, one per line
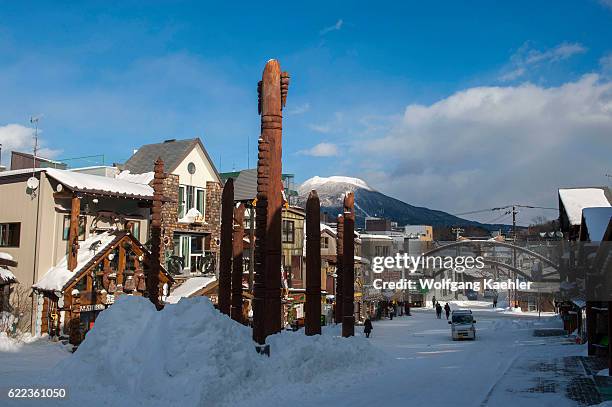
189 354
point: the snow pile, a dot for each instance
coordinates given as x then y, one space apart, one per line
193 215
8 344
189 354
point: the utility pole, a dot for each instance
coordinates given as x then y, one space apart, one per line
514 212
457 231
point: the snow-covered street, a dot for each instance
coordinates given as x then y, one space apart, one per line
419 364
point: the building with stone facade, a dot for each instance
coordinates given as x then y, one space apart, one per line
191 210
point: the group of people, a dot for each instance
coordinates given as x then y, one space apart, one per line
439 308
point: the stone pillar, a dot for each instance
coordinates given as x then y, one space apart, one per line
267 308
156 243
313 265
237 245
225 261
339 269
348 277
212 214
73 233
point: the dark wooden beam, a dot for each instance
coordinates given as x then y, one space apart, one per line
225 252
73 233
339 269
348 278
313 265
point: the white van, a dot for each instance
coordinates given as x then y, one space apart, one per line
462 325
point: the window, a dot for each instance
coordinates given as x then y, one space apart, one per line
82 222
288 231
381 251
200 200
10 234
133 226
181 201
191 197
324 242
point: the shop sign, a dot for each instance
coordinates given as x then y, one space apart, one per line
92 307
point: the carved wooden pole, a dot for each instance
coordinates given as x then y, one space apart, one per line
155 266
225 252
73 233
313 265
272 91
339 269
348 277
237 246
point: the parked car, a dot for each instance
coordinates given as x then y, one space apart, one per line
462 325
471 295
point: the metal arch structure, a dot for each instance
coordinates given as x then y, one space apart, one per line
494 243
507 267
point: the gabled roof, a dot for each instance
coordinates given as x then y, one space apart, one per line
173 152
190 287
90 251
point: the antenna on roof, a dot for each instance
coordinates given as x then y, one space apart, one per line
34 120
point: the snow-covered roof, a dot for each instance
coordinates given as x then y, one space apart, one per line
597 220
144 178
328 228
56 278
189 287
576 199
374 237
5 256
6 276
82 182
95 183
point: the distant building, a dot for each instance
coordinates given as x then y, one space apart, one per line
22 161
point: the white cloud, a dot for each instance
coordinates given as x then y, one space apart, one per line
320 128
490 146
335 27
606 3
299 109
527 58
322 150
606 62
21 138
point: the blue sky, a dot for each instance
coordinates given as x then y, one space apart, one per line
397 93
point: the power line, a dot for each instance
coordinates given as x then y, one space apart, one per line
505 207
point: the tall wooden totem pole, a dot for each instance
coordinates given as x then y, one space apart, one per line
225 252
338 315
348 276
272 90
313 265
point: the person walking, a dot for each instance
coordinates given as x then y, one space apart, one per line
433 301
367 327
495 302
391 312
447 310
438 310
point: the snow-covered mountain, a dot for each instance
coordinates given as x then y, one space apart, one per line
369 202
